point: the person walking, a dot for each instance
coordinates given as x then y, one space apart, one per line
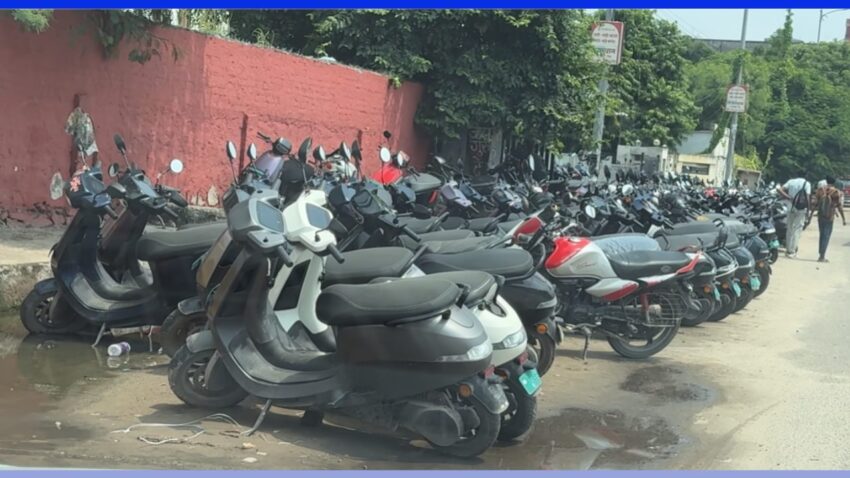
798 191
827 202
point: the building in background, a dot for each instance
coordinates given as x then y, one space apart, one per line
696 157
748 178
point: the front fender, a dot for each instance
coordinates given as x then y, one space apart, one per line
200 341
46 286
190 306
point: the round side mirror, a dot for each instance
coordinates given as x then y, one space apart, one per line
231 150
176 166
252 152
387 134
386 156
319 154
57 185
113 170
401 159
119 143
590 211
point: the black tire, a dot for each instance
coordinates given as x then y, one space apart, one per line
703 314
764 276
480 439
518 419
774 255
544 345
185 377
745 299
727 305
177 327
45 312
657 344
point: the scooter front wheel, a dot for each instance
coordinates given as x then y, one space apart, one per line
774 255
45 312
477 440
544 345
187 379
519 418
764 276
728 303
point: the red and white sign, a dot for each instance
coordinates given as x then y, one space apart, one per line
607 38
736 98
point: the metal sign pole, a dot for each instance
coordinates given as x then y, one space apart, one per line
733 130
599 127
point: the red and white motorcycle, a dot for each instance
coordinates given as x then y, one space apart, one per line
636 299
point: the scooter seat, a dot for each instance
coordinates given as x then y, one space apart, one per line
686 241
508 263
450 235
420 226
363 265
613 244
478 284
459 245
638 264
182 242
345 305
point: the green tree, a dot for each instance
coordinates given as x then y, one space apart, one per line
651 84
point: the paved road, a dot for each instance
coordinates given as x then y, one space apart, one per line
766 388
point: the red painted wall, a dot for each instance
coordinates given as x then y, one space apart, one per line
185 109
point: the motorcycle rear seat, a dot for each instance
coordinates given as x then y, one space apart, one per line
613 244
479 284
449 235
182 242
345 305
508 263
363 265
686 241
638 264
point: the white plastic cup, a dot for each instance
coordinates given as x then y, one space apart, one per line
119 349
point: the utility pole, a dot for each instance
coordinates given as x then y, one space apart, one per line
823 15
733 130
599 127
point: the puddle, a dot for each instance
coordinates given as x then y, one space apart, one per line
37 373
581 439
664 383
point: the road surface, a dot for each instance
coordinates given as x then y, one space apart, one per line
768 388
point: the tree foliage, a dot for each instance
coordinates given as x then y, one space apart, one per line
650 86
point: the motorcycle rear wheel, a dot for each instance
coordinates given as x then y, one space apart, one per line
478 440
186 378
728 303
655 344
764 276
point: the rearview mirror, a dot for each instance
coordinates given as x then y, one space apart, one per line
607 172
531 162
401 159
57 185
590 211
176 166
319 154
119 143
252 152
344 151
113 170
386 156
387 134
355 150
440 161
304 149
231 150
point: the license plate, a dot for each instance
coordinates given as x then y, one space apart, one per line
755 283
530 381
774 244
737 288
716 294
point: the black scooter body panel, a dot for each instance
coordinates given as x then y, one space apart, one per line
533 298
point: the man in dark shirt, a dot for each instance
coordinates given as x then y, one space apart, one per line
827 202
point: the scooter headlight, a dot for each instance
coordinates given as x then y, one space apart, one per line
479 352
514 340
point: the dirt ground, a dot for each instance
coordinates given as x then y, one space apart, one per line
768 388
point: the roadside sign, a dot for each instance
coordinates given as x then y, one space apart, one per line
736 98
607 38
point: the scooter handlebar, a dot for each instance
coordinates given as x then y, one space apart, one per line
281 253
332 249
410 233
110 212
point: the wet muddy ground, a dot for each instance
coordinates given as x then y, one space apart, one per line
766 388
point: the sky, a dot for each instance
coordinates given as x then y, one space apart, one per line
725 24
